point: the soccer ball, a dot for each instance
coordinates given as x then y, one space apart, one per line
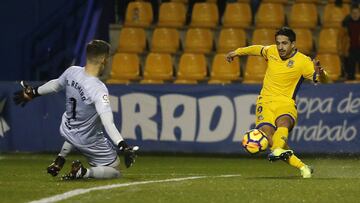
255 141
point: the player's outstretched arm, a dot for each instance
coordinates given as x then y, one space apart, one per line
28 93
320 71
254 50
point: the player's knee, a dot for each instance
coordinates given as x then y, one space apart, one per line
285 121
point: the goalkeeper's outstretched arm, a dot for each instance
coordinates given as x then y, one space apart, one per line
28 92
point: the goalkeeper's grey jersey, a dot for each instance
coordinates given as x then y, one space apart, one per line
86 98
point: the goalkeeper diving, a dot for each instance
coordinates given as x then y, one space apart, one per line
87 111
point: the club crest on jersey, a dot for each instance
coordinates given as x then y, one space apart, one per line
290 64
105 98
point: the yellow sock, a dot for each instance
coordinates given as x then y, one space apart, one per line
280 137
295 162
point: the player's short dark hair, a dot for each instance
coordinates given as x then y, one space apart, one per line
97 48
286 31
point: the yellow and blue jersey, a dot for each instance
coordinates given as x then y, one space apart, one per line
283 77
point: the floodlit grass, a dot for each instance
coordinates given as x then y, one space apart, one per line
23 178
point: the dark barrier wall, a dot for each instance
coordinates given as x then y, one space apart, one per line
199 118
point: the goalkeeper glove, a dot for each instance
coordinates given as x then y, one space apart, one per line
129 153
25 95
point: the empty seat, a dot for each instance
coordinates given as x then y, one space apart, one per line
132 40
332 65
172 14
223 71
125 67
308 1
158 67
303 15
263 36
270 15
192 68
204 15
139 14
329 41
165 40
237 15
334 15
181 1
304 40
230 39
198 40
255 69
275 1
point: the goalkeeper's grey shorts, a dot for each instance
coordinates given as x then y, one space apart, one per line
103 153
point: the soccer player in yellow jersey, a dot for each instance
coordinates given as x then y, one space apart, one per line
276 112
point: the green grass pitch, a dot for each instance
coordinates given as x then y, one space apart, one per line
23 178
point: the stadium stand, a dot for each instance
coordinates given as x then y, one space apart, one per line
205 15
125 67
237 15
139 14
230 39
254 70
158 67
132 40
304 40
223 72
192 69
165 40
270 15
172 14
332 64
303 15
334 15
199 40
329 41
263 36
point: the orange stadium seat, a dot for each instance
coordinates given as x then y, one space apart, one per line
139 14
158 67
223 72
333 15
192 68
204 15
255 69
172 14
332 65
343 1
308 1
263 36
230 39
303 15
329 41
237 15
275 1
270 15
125 67
304 40
165 40
132 40
181 1
198 40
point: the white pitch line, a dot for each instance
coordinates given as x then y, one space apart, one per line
76 192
